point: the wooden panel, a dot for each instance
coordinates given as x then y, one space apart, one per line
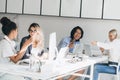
111 9
92 8
14 6
2 5
32 6
50 7
70 8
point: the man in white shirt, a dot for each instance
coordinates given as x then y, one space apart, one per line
114 55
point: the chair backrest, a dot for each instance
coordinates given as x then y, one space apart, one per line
118 67
117 75
118 70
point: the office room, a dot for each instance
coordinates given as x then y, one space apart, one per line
96 23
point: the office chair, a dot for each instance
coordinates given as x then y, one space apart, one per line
115 76
118 70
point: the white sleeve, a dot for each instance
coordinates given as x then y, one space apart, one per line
104 45
7 50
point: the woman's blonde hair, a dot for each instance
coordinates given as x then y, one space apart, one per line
38 38
113 31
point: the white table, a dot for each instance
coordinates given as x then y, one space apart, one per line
53 70
93 60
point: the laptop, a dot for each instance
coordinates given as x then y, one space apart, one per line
62 53
78 50
92 51
52 47
53 51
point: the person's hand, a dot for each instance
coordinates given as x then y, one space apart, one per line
26 44
94 43
28 41
71 45
102 49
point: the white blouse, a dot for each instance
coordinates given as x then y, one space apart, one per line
35 51
6 49
114 48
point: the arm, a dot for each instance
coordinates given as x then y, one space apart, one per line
20 54
62 43
102 45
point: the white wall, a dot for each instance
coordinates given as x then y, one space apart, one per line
94 29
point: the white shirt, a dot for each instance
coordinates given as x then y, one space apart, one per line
114 48
106 51
35 51
6 49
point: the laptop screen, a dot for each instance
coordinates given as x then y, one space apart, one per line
92 50
87 49
52 46
78 50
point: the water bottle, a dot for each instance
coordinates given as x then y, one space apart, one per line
35 64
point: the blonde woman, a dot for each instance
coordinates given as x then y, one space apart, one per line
33 29
37 42
114 54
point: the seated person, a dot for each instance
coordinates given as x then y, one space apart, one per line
106 51
37 42
74 38
32 30
1 36
114 55
8 53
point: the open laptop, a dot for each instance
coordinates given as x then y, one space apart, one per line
52 46
53 51
92 51
62 53
78 50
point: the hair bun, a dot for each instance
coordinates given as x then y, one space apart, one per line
5 21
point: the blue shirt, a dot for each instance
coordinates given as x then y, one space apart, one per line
65 42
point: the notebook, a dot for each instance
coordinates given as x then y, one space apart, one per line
92 51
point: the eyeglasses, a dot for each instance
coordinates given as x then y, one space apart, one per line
32 31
